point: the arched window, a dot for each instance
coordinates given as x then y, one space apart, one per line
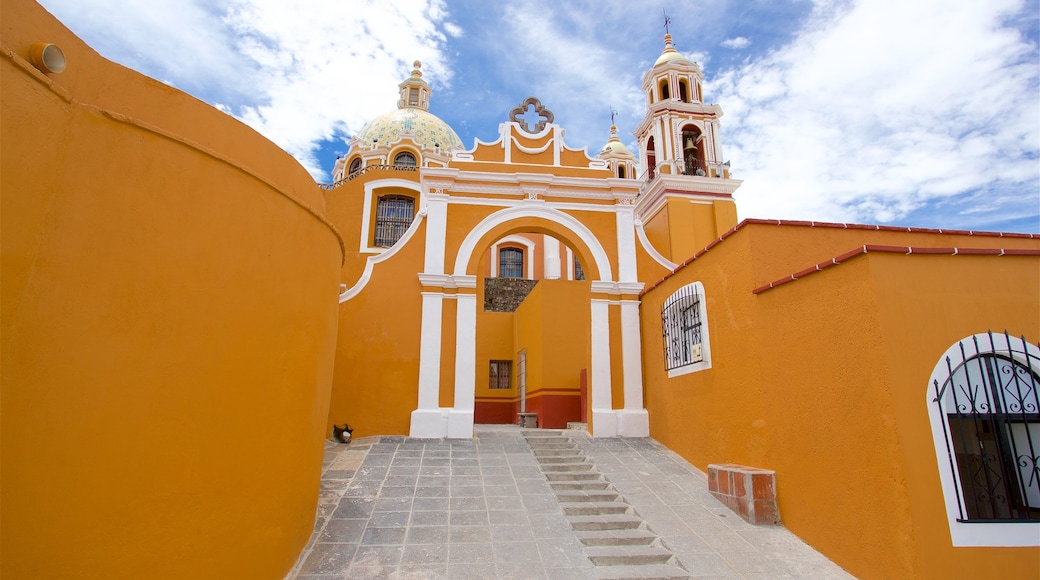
355 166
394 213
684 328
651 160
664 91
693 151
404 159
684 93
621 171
510 263
984 408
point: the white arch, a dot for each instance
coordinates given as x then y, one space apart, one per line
599 256
975 533
519 240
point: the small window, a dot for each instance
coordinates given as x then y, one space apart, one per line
355 166
621 171
664 91
404 159
579 274
684 330
684 94
501 374
413 97
394 213
510 263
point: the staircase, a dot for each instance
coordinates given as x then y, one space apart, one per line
616 540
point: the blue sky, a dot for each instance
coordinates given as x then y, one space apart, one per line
903 112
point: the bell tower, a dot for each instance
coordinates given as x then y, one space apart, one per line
684 173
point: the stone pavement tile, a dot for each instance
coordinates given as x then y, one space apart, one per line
430 518
351 507
755 563
391 504
701 565
426 535
471 571
691 544
512 534
430 504
508 518
468 518
480 552
342 531
467 504
370 556
388 519
517 571
328 559
569 573
516 552
563 553
424 554
383 536
468 534
421 572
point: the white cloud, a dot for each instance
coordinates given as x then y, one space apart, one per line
735 43
299 73
879 108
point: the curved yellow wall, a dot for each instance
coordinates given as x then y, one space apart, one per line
168 318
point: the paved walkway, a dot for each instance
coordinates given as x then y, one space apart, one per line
393 507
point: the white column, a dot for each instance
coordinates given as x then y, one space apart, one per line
626 242
604 420
551 257
427 418
634 420
436 231
460 418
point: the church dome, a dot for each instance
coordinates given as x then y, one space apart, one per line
615 146
429 130
669 53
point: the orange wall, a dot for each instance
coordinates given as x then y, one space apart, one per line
377 353
823 380
168 323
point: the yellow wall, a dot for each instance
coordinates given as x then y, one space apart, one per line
824 379
168 322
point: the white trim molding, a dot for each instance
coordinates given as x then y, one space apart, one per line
974 534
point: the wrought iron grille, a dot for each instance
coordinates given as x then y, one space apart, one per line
394 214
681 328
990 406
510 263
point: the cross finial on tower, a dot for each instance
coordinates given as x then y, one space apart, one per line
613 115
667 21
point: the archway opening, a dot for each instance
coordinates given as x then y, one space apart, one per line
532 330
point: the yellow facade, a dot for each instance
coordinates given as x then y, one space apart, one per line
170 283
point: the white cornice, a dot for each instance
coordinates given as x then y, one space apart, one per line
688 187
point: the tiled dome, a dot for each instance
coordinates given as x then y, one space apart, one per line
428 129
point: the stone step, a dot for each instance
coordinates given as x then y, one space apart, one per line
568 467
541 432
587 485
554 459
587 495
635 537
550 445
562 452
572 476
646 572
613 522
548 438
628 555
598 508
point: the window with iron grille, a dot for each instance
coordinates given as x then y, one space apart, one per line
355 166
985 414
683 330
404 159
579 274
501 373
394 214
510 263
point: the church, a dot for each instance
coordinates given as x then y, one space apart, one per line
186 314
